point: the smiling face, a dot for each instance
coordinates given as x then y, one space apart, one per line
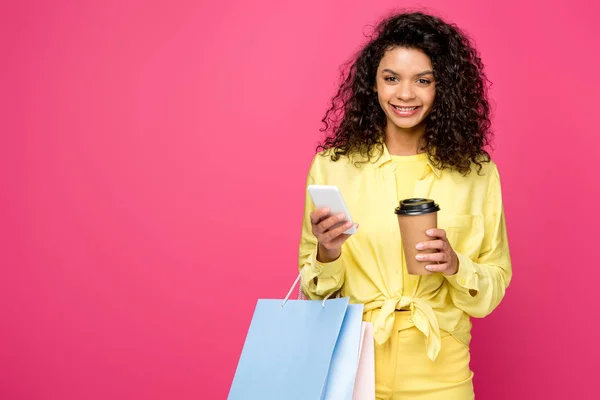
405 88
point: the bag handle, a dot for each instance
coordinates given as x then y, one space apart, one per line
292 289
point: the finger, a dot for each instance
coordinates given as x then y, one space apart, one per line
334 233
327 223
432 244
339 241
318 214
437 233
433 257
437 267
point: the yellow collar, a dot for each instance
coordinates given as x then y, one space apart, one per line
385 157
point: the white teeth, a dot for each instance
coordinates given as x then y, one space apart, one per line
405 108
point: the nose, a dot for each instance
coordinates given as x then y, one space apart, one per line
405 92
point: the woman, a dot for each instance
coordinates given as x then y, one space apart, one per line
411 119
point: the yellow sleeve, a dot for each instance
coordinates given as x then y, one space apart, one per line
329 277
479 285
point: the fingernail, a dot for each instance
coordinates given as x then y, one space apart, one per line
429 268
429 232
349 224
420 246
342 217
419 257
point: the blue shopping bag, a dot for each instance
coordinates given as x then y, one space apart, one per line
299 350
344 362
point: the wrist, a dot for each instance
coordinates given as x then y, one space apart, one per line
325 255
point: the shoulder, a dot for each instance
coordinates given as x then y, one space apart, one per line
323 163
490 173
488 169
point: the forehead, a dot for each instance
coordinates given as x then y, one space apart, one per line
407 60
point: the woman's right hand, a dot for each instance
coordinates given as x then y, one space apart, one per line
330 238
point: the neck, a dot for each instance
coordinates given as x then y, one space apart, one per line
404 142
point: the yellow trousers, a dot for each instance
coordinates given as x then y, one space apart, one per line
403 371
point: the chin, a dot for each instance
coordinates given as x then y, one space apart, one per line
407 124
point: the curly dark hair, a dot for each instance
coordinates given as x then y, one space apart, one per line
458 128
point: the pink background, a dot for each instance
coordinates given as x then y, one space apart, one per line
152 166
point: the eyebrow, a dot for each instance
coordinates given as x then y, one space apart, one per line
428 72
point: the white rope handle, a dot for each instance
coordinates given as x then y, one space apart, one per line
292 289
325 299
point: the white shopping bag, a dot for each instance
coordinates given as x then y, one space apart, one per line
364 384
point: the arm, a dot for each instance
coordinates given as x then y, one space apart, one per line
479 285
322 269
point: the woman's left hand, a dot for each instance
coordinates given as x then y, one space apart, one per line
445 260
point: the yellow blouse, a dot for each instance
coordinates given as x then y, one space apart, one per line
370 270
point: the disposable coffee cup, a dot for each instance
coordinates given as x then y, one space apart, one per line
415 217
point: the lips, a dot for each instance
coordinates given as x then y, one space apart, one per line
403 111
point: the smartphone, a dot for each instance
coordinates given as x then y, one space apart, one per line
328 196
